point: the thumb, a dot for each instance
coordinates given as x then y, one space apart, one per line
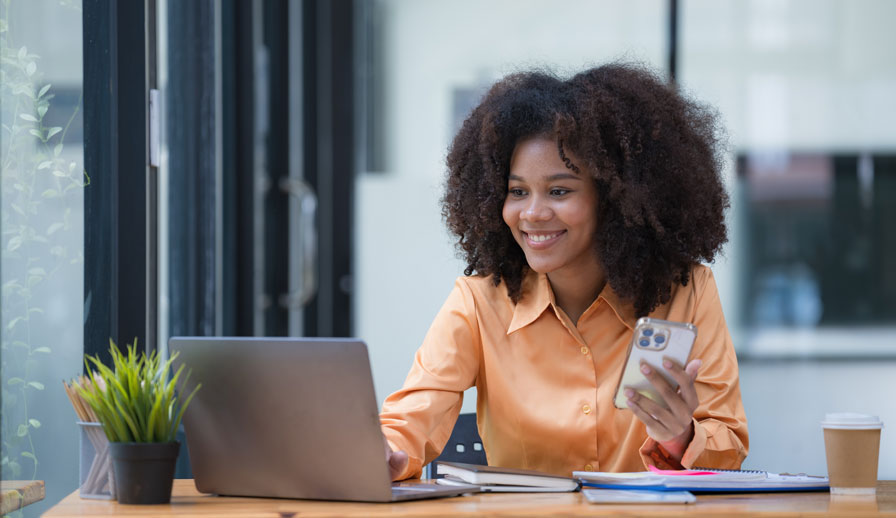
398 461
692 367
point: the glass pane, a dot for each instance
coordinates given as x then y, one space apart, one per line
43 181
805 89
428 65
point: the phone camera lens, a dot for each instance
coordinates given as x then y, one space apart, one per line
659 339
644 342
648 332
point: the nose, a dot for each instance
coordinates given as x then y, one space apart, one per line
536 210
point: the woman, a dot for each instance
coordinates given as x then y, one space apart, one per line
579 205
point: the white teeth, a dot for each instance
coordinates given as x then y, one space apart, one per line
538 238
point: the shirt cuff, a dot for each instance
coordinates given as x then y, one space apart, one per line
653 453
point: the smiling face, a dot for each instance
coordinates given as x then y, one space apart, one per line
551 210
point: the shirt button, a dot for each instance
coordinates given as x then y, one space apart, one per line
584 350
589 467
586 409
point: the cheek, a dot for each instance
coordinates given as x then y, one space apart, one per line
510 215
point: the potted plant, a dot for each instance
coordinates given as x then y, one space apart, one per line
140 412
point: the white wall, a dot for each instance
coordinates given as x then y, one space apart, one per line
784 74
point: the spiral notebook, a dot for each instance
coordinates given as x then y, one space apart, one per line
704 481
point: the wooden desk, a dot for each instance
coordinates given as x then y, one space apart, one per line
16 494
188 502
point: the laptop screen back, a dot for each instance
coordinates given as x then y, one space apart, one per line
283 417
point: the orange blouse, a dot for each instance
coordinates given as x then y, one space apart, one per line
545 386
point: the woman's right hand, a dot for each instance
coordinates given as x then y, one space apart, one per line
397 460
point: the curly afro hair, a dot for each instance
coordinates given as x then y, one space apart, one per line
653 155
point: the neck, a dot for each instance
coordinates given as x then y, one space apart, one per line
575 291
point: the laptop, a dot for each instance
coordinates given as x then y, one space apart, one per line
288 418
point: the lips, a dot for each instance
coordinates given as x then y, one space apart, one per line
542 239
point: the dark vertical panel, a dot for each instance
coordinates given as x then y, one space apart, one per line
190 115
884 214
309 110
244 182
342 202
115 159
329 110
152 189
229 167
276 208
673 40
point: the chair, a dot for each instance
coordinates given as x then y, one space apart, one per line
464 445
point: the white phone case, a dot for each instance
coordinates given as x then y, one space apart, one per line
652 340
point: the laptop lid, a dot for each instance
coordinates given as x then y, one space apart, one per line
283 417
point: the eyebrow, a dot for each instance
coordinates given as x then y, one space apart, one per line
552 178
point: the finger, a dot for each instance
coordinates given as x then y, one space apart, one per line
685 380
659 417
670 395
650 421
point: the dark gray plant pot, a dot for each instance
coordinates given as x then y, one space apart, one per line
144 472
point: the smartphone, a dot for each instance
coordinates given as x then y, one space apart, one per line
652 340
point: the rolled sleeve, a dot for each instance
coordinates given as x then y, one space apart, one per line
420 416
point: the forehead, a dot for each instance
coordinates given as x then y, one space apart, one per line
539 157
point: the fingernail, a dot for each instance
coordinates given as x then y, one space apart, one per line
629 393
645 369
667 364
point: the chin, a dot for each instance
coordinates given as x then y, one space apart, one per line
540 266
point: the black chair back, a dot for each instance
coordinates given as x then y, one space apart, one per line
464 445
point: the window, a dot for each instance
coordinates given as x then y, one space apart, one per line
43 184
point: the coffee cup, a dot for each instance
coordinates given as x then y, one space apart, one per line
852 447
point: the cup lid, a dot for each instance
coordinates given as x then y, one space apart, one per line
851 421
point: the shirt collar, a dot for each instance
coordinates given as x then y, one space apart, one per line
625 311
537 296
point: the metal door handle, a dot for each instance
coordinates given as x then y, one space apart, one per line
303 260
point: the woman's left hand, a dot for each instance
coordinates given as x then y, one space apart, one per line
672 427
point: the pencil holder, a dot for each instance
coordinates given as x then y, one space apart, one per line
96 478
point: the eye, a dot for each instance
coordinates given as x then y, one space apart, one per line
557 191
516 192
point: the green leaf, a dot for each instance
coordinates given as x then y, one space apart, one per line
36 271
23 52
28 117
15 381
12 323
23 431
43 90
54 130
36 384
36 133
60 174
50 193
57 149
45 164
54 227
34 423
29 455
42 110
31 68
43 350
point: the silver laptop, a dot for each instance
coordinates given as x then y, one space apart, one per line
288 418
